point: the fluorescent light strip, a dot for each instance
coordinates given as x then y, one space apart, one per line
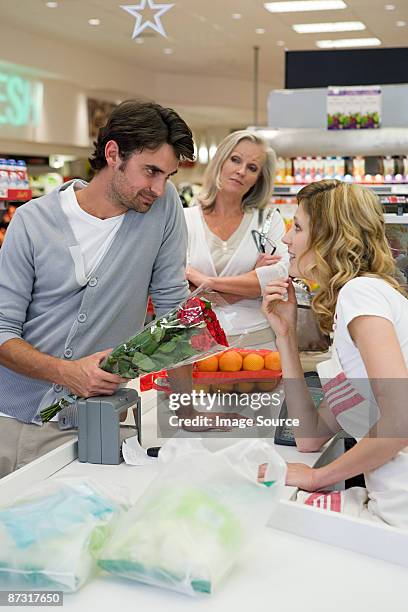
338 26
304 5
348 42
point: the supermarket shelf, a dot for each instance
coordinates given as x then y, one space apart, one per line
386 189
293 142
16 195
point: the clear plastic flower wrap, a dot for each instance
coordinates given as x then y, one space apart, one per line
49 539
191 524
186 333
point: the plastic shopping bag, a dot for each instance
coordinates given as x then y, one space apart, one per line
49 539
189 527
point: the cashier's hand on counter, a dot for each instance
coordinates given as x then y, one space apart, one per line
85 378
298 475
280 307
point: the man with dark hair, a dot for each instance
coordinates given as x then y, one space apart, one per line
76 269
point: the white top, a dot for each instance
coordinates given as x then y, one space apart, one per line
94 236
368 296
387 486
222 250
245 315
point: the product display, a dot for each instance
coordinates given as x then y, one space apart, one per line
374 170
14 189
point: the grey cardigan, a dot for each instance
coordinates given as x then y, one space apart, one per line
46 299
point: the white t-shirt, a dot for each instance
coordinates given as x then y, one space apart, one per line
368 296
387 485
94 236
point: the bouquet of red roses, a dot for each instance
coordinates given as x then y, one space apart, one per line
189 332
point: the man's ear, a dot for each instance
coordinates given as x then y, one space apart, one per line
112 154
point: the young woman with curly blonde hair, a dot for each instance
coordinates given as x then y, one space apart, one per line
338 240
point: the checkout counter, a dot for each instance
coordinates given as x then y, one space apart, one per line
280 571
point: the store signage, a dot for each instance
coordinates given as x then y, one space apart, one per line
20 100
354 108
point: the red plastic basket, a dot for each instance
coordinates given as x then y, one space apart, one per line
147 382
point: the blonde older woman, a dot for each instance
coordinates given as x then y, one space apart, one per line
232 215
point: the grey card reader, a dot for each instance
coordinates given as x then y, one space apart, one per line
100 433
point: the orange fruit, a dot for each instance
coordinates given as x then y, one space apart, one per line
224 388
245 387
272 361
253 362
208 365
230 361
267 385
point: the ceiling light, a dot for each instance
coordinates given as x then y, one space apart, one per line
203 154
339 26
401 24
304 5
280 43
167 51
389 7
236 16
348 42
51 4
139 40
260 30
94 22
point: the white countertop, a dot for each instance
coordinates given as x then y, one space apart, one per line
279 571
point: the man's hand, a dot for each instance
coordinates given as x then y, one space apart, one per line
85 378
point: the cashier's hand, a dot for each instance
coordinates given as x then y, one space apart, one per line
280 313
302 476
85 378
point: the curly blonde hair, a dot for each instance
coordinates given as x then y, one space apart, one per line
260 194
347 237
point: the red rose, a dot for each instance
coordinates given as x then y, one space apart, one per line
192 312
202 342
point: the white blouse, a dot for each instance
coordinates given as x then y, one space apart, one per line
245 315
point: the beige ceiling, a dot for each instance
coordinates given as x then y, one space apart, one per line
205 39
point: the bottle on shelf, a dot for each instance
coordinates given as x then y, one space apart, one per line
358 169
22 174
4 179
340 167
13 177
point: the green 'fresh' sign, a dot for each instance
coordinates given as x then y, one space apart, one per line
20 100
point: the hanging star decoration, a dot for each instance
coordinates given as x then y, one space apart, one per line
136 9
